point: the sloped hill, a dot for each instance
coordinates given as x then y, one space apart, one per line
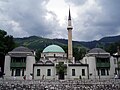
103 42
35 42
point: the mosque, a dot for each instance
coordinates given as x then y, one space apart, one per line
56 64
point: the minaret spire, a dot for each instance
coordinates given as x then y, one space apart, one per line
69 20
69 17
69 28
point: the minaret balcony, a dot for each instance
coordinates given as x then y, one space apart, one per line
69 27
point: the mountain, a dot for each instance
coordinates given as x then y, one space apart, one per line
103 42
38 44
35 42
111 39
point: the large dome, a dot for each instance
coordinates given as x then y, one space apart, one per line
53 48
97 50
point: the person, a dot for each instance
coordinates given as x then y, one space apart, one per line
30 78
14 77
43 77
116 76
24 77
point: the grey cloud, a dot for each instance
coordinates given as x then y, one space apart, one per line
96 25
30 15
76 2
27 17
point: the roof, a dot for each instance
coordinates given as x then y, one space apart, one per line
97 50
20 54
21 49
53 48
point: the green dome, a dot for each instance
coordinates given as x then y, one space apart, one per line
53 48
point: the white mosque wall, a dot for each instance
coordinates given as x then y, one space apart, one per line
43 72
78 72
30 60
53 54
112 67
93 72
7 66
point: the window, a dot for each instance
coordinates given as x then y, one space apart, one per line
54 55
107 72
17 73
48 72
12 73
38 72
23 72
44 55
115 61
116 71
98 71
73 72
102 72
83 72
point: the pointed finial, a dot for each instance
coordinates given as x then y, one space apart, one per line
69 17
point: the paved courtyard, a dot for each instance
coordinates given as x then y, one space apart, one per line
103 84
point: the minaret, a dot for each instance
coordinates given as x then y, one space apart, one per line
69 28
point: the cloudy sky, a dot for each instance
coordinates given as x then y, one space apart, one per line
91 19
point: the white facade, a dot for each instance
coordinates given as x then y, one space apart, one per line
117 63
46 68
99 69
19 63
7 66
78 72
51 60
68 75
52 56
44 72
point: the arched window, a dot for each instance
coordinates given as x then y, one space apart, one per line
54 55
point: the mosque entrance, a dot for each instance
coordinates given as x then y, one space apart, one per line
61 75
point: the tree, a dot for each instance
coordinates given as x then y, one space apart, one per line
38 54
112 48
78 51
61 68
6 45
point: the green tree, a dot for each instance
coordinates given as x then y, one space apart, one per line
61 68
38 54
6 45
78 51
112 48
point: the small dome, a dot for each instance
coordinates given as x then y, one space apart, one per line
53 48
21 49
97 50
